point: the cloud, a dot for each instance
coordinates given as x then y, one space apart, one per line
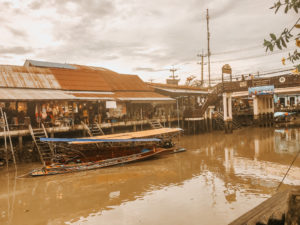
148 69
16 32
145 36
17 50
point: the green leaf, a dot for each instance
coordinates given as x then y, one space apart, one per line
278 6
271 48
295 8
286 9
273 36
283 42
278 44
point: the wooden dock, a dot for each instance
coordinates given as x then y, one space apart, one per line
281 208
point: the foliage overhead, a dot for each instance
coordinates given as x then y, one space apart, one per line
286 36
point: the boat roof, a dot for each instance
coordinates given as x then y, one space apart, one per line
96 140
140 134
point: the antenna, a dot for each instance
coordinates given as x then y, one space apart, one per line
173 76
208 49
151 80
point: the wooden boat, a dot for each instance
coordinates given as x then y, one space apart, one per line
76 167
79 154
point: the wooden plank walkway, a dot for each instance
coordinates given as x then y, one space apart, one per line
273 208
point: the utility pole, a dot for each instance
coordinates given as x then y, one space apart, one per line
202 65
208 49
173 70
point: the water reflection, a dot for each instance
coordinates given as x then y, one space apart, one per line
217 179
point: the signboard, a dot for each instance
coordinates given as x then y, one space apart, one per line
243 84
226 69
111 104
261 90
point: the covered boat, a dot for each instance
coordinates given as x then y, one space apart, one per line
79 154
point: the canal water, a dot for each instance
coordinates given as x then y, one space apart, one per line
219 177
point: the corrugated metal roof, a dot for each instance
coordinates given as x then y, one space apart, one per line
82 79
33 94
121 82
22 77
36 63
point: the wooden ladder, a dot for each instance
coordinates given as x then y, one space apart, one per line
155 124
5 127
93 129
45 149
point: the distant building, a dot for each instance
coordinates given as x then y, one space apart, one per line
48 92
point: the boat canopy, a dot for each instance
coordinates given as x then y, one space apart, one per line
96 140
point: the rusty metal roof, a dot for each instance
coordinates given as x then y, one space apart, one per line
126 82
83 79
22 77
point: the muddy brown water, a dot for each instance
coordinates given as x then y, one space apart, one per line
216 180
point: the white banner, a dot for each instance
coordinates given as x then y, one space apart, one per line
111 104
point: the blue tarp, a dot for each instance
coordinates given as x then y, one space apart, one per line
98 140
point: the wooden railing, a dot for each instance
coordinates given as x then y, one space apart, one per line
282 81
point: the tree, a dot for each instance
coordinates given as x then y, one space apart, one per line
286 35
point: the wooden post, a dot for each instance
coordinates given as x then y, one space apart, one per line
112 129
194 125
20 142
52 133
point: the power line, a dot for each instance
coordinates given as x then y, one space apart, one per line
251 57
236 50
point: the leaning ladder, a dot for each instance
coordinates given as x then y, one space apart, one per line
93 130
155 124
7 133
45 150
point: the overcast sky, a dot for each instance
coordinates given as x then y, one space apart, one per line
143 37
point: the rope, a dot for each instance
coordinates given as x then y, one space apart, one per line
288 171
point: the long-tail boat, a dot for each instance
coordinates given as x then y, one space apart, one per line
79 154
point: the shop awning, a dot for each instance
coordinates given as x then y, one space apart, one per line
143 97
23 94
148 100
92 95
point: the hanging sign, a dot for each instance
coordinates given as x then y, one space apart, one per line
282 79
261 90
111 104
